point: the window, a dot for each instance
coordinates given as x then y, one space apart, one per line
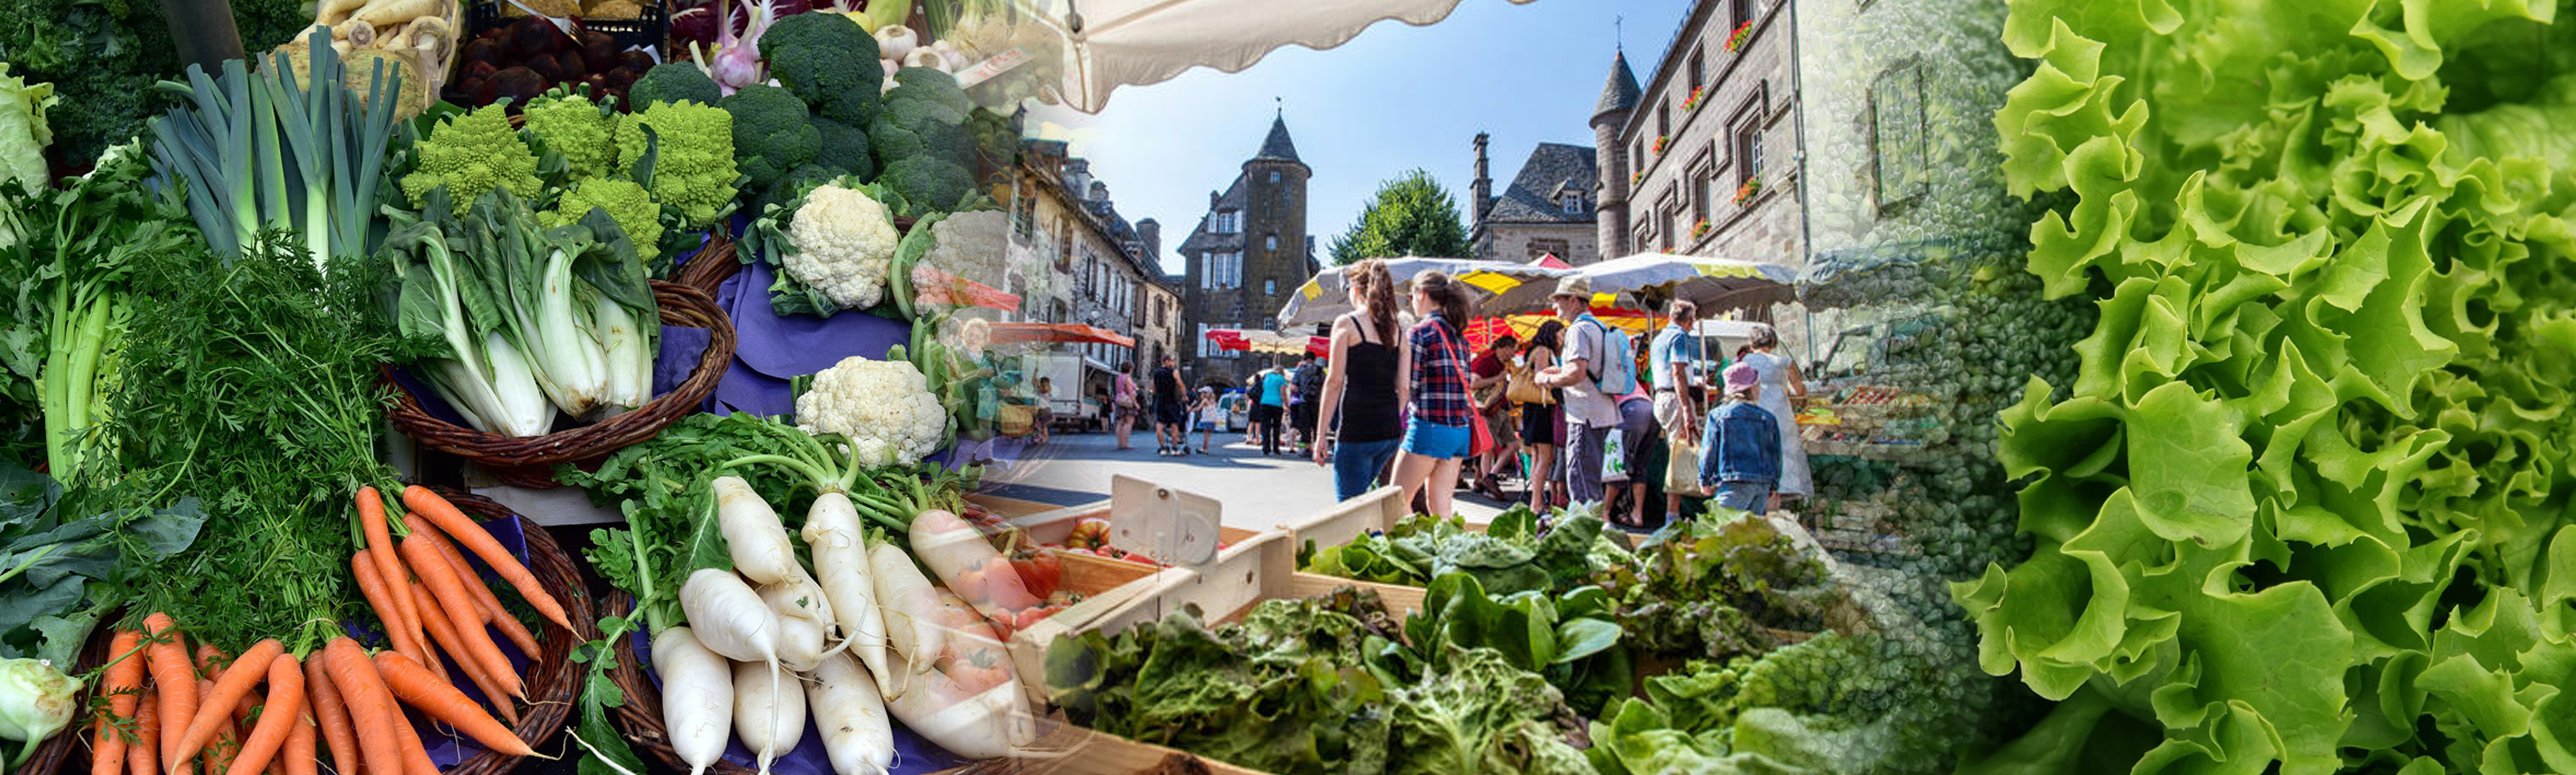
1739 12
1024 217
1274 176
1745 141
1548 247
1702 174
1698 74
1229 222
1663 121
1899 161
1270 287
1573 204
1638 154
1270 242
1221 271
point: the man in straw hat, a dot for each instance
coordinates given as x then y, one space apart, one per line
1591 414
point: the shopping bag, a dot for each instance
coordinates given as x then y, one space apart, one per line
1681 477
1614 457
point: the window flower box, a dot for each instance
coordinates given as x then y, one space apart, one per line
1658 147
1744 193
1743 33
1697 96
1699 230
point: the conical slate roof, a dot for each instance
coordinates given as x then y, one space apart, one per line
1277 147
1621 93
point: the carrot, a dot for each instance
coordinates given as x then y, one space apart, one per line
143 758
371 705
473 536
172 673
277 718
380 545
450 594
443 632
371 585
299 751
227 739
123 686
415 757
229 692
324 700
418 688
484 600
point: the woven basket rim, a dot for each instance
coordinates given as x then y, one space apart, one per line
680 305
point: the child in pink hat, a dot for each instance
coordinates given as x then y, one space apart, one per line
1741 457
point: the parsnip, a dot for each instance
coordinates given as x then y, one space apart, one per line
330 13
838 546
390 12
697 697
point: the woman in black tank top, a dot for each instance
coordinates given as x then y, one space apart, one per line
1359 406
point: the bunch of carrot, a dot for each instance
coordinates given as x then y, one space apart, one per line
350 699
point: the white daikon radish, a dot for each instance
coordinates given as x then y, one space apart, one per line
838 544
914 639
952 548
802 616
753 533
768 711
730 619
852 717
971 704
697 697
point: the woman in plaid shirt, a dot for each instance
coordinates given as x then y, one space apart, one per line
1431 381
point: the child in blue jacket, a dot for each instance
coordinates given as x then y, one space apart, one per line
1740 450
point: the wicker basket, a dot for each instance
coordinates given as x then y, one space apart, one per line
641 715
534 457
551 681
712 264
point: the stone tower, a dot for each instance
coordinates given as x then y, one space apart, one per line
1274 223
1608 119
1483 188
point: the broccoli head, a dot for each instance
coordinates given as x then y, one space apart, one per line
927 185
576 128
931 84
792 185
770 132
471 154
845 148
896 140
827 60
626 202
693 167
673 82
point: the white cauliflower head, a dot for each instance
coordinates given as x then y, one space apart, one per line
975 245
844 245
884 407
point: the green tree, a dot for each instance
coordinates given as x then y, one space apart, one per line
1411 215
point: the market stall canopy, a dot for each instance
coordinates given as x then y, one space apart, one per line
1057 333
1326 296
1646 280
1113 43
1272 342
1481 334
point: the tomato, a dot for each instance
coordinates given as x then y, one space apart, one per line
1030 618
980 670
969 585
1090 533
1040 572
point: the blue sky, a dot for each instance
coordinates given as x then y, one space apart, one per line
1394 98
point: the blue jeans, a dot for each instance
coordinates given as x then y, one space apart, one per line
1357 465
1745 496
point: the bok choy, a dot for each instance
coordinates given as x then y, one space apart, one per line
531 316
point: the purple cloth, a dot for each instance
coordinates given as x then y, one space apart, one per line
773 349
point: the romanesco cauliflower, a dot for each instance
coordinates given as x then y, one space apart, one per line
693 166
572 125
474 153
844 243
885 408
627 203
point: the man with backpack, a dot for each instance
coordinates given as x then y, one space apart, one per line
1305 395
1599 365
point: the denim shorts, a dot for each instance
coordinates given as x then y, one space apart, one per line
1434 440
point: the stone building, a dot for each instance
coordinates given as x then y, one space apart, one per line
1702 158
1103 272
1249 251
1547 210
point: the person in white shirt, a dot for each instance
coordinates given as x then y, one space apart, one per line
1590 415
1674 351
